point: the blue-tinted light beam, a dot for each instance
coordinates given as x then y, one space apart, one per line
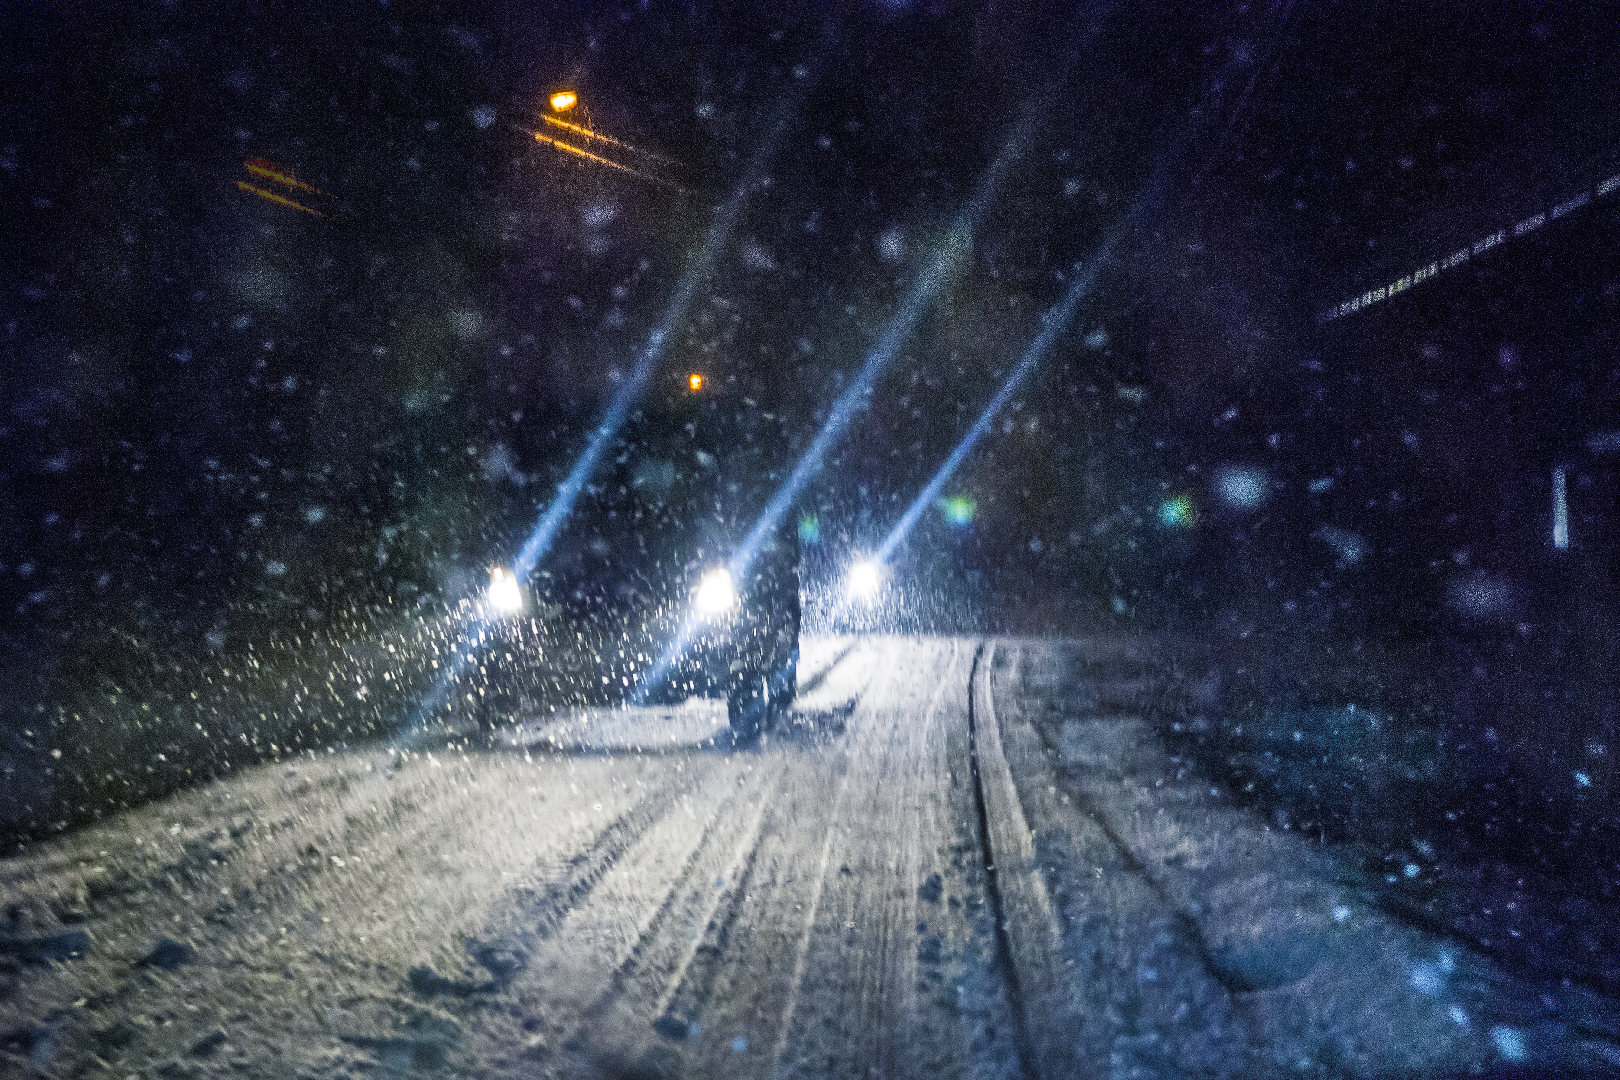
624 399
952 254
1055 321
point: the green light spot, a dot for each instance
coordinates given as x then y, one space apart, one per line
809 529
1176 513
958 509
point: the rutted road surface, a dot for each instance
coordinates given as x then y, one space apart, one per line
959 858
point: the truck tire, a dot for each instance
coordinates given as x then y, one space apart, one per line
784 683
748 706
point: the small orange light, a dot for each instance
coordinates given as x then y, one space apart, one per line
695 381
563 100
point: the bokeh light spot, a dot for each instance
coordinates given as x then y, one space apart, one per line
959 510
1176 513
1241 488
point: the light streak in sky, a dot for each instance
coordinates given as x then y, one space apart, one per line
1560 531
279 200
1054 323
261 169
267 170
569 148
1463 254
588 133
551 521
952 253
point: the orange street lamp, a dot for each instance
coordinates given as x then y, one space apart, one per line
563 100
695 381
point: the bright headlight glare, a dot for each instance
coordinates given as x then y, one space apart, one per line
865 578
504 595
715 592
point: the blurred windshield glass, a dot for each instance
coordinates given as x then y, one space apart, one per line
895 537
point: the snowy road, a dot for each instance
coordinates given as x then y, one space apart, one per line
961 858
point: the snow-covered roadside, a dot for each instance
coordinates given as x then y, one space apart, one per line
1199 934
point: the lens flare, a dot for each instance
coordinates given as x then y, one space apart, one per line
865 579
505 595
959 510
1176 513
262 170
715 594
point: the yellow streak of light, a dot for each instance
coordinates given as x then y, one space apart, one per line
271 171
610 140
600 160
279 200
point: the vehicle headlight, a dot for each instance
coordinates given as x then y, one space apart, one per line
504 596
715 592
865 578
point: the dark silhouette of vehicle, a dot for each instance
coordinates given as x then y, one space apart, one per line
639 581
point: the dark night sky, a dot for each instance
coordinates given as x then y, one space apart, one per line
225 418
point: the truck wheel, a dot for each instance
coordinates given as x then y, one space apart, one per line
748 706
784 683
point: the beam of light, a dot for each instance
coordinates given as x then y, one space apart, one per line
268 170
278 199
1560 488
1435 267
952 253
556 514
609 162
1055 321
588 133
